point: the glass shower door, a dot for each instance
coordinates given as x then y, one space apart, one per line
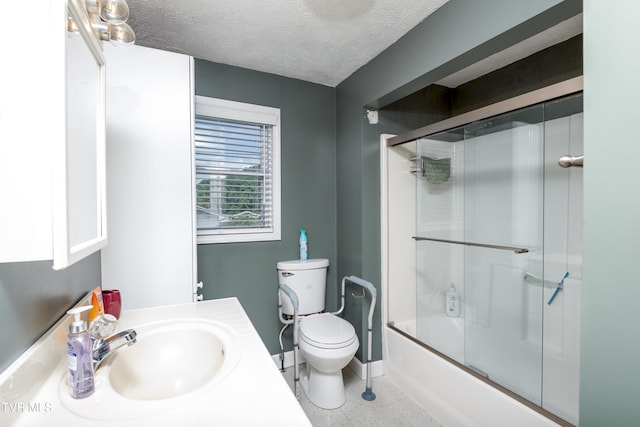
504 193
480 230
499 250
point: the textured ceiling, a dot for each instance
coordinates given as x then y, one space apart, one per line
321 41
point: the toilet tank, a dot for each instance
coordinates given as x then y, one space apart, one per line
308 279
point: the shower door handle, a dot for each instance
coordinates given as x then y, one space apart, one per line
568 161
515 250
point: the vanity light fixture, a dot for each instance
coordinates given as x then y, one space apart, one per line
114 11
108 21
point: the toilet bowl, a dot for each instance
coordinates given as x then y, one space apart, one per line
328 343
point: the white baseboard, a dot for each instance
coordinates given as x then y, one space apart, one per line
355 365
361 368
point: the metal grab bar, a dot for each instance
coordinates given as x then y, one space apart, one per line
368 394
535 279
481 245
290 293
568 161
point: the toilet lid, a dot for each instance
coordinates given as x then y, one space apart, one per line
303 264
327 330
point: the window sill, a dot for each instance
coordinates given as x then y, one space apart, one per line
207 239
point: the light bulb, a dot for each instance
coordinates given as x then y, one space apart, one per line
114 11
71 25
93 6
121 34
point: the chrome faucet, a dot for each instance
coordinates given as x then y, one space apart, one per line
102 347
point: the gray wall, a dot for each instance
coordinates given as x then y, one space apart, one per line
610 376
248 270
432 50
33 297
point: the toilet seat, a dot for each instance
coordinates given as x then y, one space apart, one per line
326 330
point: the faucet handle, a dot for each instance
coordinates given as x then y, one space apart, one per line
103 326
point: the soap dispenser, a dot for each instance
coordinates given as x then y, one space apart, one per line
452 304
79 357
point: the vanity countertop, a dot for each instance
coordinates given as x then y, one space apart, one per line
253 393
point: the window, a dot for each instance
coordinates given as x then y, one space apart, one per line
237 155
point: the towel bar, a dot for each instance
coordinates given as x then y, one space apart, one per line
481 245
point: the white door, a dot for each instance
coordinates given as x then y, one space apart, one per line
151 254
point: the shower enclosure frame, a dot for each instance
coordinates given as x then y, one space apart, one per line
391 332
547 93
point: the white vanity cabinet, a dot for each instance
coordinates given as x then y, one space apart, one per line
52 136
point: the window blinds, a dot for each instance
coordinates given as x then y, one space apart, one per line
234 177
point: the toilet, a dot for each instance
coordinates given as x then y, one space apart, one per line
327 342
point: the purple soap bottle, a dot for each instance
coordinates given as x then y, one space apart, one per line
79 357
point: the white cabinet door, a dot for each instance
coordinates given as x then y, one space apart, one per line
52 135
151 253
80 224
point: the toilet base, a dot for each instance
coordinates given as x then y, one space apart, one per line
324 390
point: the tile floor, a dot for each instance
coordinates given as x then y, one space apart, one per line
391 408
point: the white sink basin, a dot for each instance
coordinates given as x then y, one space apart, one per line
168 364
167 361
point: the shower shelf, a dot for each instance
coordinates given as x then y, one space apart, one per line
481 245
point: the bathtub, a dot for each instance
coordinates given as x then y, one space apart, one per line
451 394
